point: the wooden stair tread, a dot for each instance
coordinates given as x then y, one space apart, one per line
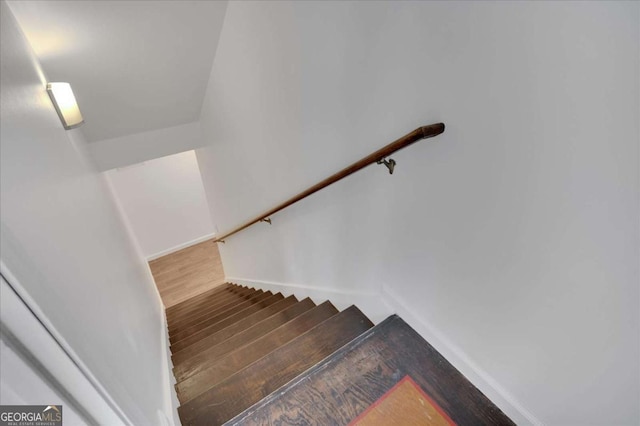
185 303
190 366
344 385
205 305
229 331
195 302
215 310
211 371
179 345
220 314
248 386
210 305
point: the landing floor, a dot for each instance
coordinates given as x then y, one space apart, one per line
188 272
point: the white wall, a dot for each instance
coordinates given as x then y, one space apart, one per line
514 234
164 202
20 385
64 241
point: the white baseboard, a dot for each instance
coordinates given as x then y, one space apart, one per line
379 305
180 247
369 303
462 362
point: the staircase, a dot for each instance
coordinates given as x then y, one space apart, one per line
244 356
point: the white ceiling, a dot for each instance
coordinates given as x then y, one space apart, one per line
134 66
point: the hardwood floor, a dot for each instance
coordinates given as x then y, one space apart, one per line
186 273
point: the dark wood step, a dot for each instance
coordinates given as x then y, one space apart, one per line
217 316
238 392
211 303
189 303
360 373
180 345
196 302
199 361
175 308
213 310
212 370
228 332
206 308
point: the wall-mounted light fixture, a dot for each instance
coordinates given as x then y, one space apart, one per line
65 103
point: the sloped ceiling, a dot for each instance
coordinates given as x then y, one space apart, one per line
134 66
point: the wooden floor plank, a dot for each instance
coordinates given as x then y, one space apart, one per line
187 272
216 338
343 386
248 386
179 345
214 370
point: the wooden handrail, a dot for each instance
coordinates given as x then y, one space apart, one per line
420 133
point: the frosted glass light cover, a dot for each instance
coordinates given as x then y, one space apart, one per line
65 103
